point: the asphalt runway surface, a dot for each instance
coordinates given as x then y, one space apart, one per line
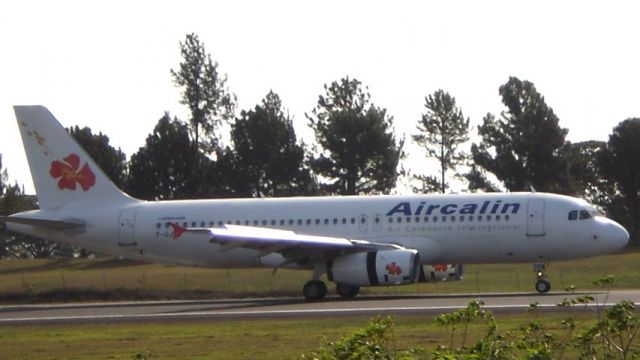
294 307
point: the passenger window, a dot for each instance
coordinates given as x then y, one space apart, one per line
573 214
363 220
246 222
435 219
212 223
506 218
497 217
299 221
308 221
444 219
290 221
282 222
377 220
426 219
453 218
461 218
353 220
317 221
390 220
335 221
584 214
479 217
238 222
326 221
255 222
408 219
399 219
417 218
344 221
488 217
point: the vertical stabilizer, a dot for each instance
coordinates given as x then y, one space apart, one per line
62 171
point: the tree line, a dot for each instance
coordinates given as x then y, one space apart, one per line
355 151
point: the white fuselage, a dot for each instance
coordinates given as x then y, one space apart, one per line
482 228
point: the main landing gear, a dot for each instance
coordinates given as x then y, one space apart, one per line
543 285
347 291
315 290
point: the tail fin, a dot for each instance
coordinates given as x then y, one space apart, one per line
62 171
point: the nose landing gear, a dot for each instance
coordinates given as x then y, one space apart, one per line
543 285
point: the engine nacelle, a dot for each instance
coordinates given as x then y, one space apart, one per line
375 268
441 272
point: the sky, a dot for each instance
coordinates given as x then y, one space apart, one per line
106 64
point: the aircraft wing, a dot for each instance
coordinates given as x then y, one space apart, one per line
288 243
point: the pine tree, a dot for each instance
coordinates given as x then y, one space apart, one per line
443 128
267 155
358 152
522 147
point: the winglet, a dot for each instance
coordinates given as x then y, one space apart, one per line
177 230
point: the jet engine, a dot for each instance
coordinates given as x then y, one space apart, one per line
441 272
375 268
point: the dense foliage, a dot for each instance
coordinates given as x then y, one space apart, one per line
268 159
358 152
522 146
613 334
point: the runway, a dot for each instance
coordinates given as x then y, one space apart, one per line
293 307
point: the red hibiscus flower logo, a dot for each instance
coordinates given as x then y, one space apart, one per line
393 269
69 174
440 267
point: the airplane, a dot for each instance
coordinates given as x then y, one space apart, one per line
381 240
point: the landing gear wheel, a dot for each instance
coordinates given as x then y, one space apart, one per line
543 286
347 291
314 290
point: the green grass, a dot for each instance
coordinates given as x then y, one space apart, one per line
110 278
247 339
237 339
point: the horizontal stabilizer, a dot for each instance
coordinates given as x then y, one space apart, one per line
45 223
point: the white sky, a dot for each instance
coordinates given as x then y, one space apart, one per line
105 64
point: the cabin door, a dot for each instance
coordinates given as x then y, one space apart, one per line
535 217
126 227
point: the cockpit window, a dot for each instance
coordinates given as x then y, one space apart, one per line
584 214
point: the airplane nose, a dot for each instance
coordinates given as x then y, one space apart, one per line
619 236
